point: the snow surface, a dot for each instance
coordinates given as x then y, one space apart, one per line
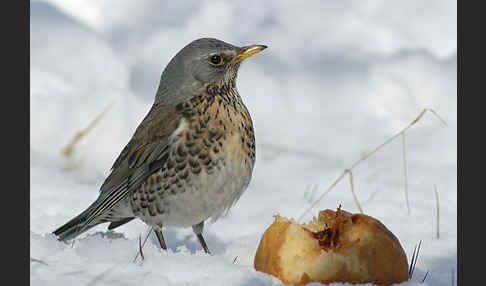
338 79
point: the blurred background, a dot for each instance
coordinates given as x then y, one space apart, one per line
338 79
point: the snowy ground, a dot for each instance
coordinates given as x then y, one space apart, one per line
337 80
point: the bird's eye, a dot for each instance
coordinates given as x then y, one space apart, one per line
216 60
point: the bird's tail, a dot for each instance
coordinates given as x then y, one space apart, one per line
91 217
77 225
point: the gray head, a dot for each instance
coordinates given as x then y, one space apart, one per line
201 63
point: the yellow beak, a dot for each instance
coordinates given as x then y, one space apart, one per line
248 51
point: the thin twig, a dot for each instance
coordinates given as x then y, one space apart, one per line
416 257
143 244
366 156
234 260
395 136
437 207
413 262
423 280
405 172
140 247
352 190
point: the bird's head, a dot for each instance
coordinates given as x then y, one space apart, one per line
203 62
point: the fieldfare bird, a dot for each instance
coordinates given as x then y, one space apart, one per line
191 157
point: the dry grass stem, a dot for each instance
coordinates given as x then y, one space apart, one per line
414 259
68 150
38 261
352 190
366 156
139 252
423 280
321 196
140 247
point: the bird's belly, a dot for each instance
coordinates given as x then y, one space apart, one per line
209 196
205 195
190 190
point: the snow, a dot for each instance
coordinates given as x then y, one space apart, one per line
338 79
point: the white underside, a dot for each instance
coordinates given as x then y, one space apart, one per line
221 190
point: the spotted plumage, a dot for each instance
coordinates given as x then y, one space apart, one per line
191 157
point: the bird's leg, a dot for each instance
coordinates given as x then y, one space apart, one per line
198 229
160 237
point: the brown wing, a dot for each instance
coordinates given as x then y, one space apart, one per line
156 127
144 154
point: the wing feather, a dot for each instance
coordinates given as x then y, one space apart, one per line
146 152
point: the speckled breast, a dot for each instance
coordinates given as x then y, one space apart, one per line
210 163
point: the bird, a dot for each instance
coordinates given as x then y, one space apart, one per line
191 157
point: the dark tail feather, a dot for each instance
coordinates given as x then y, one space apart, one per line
116 224
76 226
